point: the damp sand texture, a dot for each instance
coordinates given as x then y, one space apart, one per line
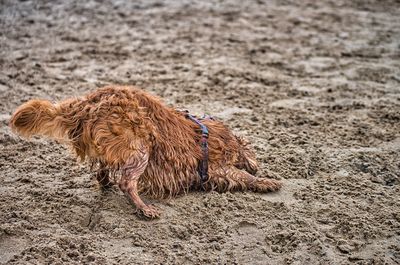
315 86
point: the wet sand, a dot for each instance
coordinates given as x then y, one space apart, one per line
315 85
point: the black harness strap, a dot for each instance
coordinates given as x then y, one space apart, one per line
203 165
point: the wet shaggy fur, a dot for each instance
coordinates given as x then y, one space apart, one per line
132 139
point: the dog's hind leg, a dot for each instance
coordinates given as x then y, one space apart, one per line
128 183
103 177
234 179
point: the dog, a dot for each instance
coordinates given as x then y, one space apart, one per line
154 149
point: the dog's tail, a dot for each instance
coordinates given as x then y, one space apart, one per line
37 117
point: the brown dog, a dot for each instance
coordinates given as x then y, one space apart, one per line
153 149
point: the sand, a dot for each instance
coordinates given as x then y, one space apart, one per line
315 85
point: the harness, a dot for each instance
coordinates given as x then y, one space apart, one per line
203 165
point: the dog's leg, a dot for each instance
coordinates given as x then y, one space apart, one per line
103 177
247 157
233 179
129 183
247 161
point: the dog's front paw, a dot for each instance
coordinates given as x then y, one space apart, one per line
150 212
265 185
